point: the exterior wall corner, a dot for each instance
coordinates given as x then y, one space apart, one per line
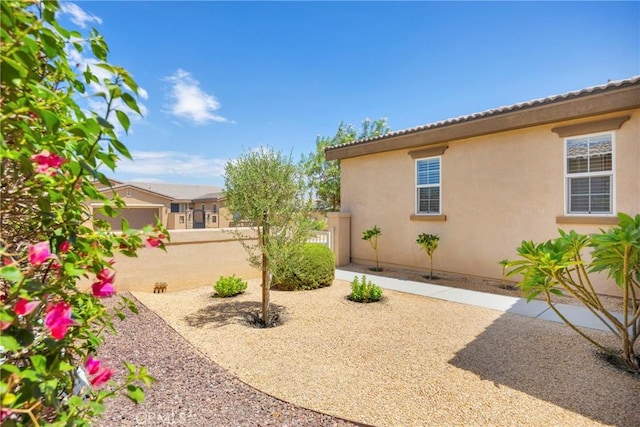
340 226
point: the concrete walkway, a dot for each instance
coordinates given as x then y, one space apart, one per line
577 315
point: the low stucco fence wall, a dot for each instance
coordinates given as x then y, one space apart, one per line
193 258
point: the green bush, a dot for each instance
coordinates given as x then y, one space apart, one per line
559 267
364 290
312 268
229 286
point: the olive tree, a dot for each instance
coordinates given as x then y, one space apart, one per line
266 188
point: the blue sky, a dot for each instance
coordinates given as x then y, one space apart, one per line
221 78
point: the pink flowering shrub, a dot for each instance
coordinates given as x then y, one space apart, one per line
58 319
39 253
53 152
47 163
99 373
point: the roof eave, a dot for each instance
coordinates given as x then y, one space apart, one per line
608 101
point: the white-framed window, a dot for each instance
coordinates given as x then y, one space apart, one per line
589 174
428 194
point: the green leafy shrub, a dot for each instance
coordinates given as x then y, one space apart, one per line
557 266
364 290
229 286
312 268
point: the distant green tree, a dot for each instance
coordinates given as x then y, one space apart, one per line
267 188
324 176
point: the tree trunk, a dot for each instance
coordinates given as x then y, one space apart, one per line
430 267
266 315
265 290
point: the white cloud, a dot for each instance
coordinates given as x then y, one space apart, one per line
190 102
169 164
97 104
77 15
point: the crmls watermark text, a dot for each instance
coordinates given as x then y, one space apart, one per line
171 418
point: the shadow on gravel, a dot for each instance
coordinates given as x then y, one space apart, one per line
572 376
227 313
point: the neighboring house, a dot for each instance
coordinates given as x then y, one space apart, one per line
486 181
178 206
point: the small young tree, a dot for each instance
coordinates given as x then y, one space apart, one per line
266 188
372 236
557 266
505 264
428 242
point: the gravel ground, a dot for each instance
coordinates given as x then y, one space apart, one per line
406 361
192 390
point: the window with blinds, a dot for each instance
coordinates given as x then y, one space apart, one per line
428 186
589 174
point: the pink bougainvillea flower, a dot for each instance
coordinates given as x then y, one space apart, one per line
64 247
104 286
102 374
4 413
4 325
92 365
153 242
58 319
103 289
57 268
102 377
39 253
24 307
46 162
105 275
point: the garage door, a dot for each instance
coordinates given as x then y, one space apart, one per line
137 217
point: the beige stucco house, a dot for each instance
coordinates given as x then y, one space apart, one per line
486 181
178 206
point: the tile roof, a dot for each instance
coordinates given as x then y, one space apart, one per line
176 191
216 195
635 80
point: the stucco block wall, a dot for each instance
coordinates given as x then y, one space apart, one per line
194 258
496 191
